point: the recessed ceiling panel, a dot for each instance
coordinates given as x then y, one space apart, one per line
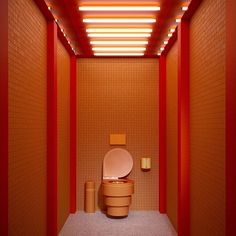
118 28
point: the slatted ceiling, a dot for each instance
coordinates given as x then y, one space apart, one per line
82 15
122 24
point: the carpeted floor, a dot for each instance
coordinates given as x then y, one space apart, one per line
138 223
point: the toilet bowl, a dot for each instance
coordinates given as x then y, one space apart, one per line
117 189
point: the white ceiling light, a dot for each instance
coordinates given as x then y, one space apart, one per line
170 34
165 42
118 54
184 8
119 35
178 20
172 30
119 8
117 49
119 42
116 30
119 20
162 49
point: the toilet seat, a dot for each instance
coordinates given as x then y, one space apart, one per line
117 163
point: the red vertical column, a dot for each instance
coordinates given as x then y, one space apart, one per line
52 129
4 119
183 131
230 118
73 133
162 134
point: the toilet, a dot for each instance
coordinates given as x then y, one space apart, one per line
116 188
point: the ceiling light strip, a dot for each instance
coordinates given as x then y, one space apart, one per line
118 30
119 42
119 20
118 35
119 8
118 49
117 54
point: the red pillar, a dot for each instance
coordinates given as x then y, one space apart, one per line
52 129
73 133
4 119
162 134
183 131
230 118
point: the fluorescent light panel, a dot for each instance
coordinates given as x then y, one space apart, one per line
117 30
118 49
118 54
95 35
119 20
119 8
119 42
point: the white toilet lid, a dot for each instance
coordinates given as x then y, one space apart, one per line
117 163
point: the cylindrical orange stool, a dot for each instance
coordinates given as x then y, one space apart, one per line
90 196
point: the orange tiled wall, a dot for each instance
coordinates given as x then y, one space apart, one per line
207 120
171 133
27 119
118 96
63 105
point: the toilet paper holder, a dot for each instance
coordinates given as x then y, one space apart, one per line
145 163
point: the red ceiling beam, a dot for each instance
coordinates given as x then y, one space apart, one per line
171 42
49 17
44 9
72 12
162 134
51 129
193 6
167 10
183 131
4 118
230 118
64 41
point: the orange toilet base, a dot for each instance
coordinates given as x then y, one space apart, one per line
118 211
117 196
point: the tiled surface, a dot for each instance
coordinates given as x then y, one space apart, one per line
207 119
172 133
118 96
27 119
63 103
138 223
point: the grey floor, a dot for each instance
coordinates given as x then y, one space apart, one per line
138 223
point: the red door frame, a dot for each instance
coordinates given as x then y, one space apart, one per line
162 133
4 118
230 146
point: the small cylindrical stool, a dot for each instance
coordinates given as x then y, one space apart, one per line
90 196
